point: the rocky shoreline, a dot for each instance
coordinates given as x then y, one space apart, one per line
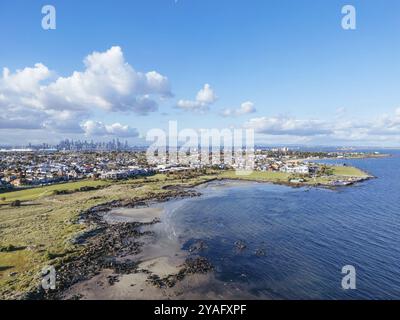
354 180
111 246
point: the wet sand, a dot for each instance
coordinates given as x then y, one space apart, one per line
142 215
161 257
135 286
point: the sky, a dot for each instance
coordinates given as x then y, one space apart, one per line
285 68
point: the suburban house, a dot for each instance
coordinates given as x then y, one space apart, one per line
302 169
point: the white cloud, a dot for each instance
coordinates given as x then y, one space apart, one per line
120 130
245 108
97 128
24 81
206 95
384 128
204 98
288 126
108 83
34 98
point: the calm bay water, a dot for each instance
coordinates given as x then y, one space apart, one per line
307 234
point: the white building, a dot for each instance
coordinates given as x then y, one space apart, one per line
296 169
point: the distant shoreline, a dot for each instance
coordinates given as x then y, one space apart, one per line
369 156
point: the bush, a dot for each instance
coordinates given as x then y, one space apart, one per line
16 203
61 192
50 255
8 248
87 188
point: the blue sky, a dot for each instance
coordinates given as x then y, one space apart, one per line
290 59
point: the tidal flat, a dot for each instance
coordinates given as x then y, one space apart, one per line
163 269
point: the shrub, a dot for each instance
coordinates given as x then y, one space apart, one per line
8 248
16 203
87 188
50 255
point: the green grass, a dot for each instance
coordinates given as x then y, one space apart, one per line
268 176
348 171
39 192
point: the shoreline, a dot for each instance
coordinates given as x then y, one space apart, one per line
111 248
106 244
361 157
301 185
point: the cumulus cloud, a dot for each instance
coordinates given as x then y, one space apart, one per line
22 118
33 97
245 108
108 83
206 95
97 128
288 126
383 128
204 98
25 81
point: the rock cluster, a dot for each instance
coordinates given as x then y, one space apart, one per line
191 266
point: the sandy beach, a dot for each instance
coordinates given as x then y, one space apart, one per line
160 263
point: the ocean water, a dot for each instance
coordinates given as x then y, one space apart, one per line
307 235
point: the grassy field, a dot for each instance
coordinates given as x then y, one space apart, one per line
39 233
268 176
348 171
39 192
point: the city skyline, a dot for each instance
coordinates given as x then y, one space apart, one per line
297 77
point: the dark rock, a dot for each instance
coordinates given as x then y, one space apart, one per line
260 252
240 245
